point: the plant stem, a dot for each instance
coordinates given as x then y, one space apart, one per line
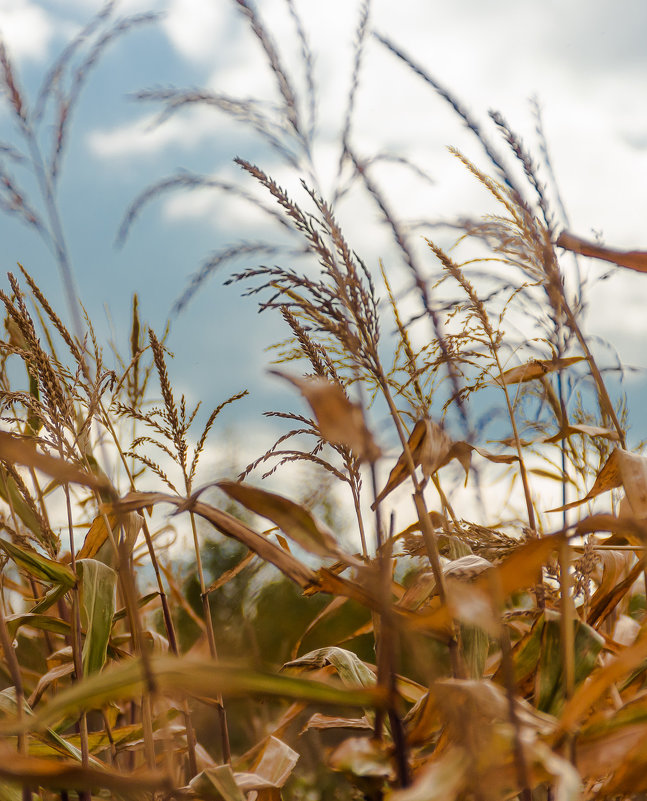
211 639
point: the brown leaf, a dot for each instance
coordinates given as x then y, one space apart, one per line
339 420
517 572
579 428
627 528
228 525
57 773
96 536
606 599
599 682
429 446
535 368
622 468
633 259
22 451
293 519
320 721
607 479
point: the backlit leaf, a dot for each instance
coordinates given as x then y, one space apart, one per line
633 259
622 468
231 527
293 519
23 451
196 677
39 566
339 420
429 446
536 368
97 589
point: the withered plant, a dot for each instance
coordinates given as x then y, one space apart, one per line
450 645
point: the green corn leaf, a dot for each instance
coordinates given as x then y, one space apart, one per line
39 566
98 583
198 677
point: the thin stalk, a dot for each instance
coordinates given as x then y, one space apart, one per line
386 645
360 520
16 677
607 406
507 665
166 612
211 639
130 600
517 441
84 795
423 518
129 593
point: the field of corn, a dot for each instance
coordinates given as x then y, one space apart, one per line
443 653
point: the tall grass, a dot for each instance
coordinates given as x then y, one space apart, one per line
460 656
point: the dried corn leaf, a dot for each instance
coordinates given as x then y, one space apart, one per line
579 428
429 446
293 519
228 525
348 666
517 572
599 682
217 784
622 468
57 773
536 368
319 721
605 600
339 420
633 259
22 451
362 756
443 778
97 536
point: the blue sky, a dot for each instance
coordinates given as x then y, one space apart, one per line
584 60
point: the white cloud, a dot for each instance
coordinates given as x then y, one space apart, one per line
195 27
25 28
144 137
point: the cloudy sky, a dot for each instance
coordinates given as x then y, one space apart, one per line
584 60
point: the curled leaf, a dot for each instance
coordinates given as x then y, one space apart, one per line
292 518
22 451
339 420
622 468
429 446
536 368
633 259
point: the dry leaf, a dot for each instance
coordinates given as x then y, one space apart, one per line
293 519
429 446
22 451
580 428
633 259
339 420
228 525
535 368
622 468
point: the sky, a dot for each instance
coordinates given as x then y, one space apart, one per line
584 61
